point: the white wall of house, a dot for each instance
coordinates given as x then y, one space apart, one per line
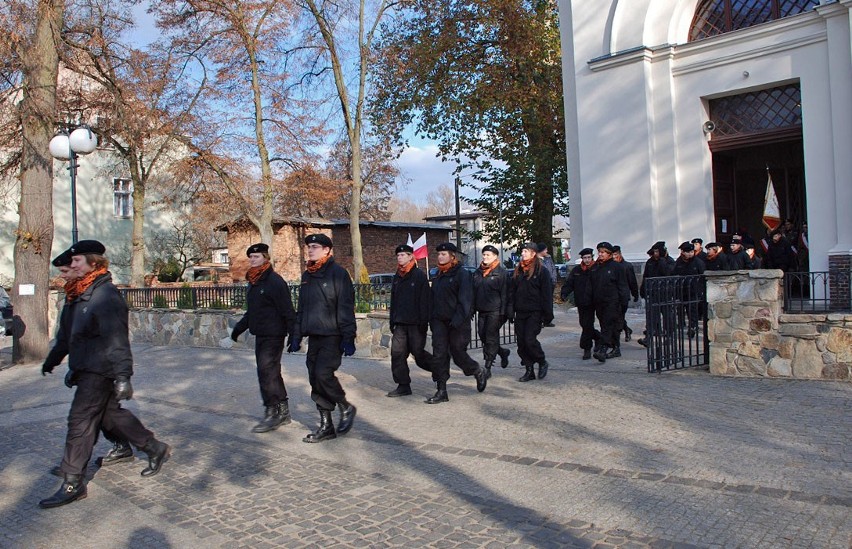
636 95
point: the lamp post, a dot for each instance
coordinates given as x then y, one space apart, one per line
63 146
458 214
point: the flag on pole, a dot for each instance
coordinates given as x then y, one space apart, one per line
771 211
420 249
410 242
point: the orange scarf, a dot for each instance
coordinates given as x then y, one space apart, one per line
314 266
584 267
403 270
254 273
76 287
526 266
447 266
486 269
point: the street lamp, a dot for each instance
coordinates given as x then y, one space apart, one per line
63 146
458 214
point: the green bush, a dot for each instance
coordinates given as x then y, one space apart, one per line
362 307
160 302
170 271
218 304
185 300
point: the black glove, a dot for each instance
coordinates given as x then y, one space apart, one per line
235 336
123 388
511 319
70 382
635 298
294 345
392 326
348 348
47 369
502 319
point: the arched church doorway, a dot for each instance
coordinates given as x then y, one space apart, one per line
758 136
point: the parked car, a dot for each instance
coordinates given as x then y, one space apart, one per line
7 311
561 271
433 271
381 278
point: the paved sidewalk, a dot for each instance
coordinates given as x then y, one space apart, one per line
596 455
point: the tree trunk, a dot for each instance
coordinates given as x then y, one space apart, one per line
137 239
355 212
35 224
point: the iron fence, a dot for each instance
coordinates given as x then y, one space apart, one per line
817 292
676 322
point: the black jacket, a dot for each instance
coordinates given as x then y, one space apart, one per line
609 283
779 255
410 299
452 296
580 283
655 268
270 310
739 261
93 332
533 294
683 267
491 293
718 263
630 273
326 303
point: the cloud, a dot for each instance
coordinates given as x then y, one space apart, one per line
425 171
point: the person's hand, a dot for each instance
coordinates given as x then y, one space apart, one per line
635 298
46 369
392 326
294 345
235 336
123 388
502 319
348 348
69 379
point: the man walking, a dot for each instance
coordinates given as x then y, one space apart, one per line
491 302
326 316
410 307
632 284
659 264
609 289
579 282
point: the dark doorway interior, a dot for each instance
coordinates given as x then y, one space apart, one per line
739 187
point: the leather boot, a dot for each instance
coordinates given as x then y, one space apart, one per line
347 416
587 354
119 453
481 378
440 395
542 369
600 354
275 417
158 453
504 357
627 333
73 488
488 366
529 375
401 390
615 352
325 431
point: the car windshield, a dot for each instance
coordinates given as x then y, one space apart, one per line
4 299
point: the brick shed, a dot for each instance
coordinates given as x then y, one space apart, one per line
378 240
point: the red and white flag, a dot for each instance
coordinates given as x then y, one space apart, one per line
420 249
771 211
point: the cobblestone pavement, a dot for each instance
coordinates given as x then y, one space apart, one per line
595 455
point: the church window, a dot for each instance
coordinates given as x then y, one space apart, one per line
713 17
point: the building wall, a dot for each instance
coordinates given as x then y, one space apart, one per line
636 95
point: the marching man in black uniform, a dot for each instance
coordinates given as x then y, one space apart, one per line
269 317
632 284
610 290
532 304
410 306
93 333
491 302
579 282
326 316
452 306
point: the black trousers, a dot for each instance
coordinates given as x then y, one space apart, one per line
95 405
587 323
446 342
267 352
409 339
624 307
610 319
527 328
323 360
488 327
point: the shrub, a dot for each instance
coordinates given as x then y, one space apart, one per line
170 271
185 299
160 302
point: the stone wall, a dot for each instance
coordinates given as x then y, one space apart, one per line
205 328
750 335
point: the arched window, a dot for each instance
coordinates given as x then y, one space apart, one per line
714 17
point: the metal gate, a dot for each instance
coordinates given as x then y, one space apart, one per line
676 322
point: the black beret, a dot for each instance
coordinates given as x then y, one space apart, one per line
87 247
62 260
658 245
404 248
259 248
686 247
616 248
712 245
447 247
738 239
490 248
319 238
530 246
586 251
540 247
605 245
697 240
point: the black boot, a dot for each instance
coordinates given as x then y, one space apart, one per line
158 453
615 352
325 431
440 395
347 416
504 357
529 375
601 352
274 417
627 333
587 354
542 369
488 365
120 452
401 390
481 376
72 489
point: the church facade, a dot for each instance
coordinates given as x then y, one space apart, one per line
679 112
